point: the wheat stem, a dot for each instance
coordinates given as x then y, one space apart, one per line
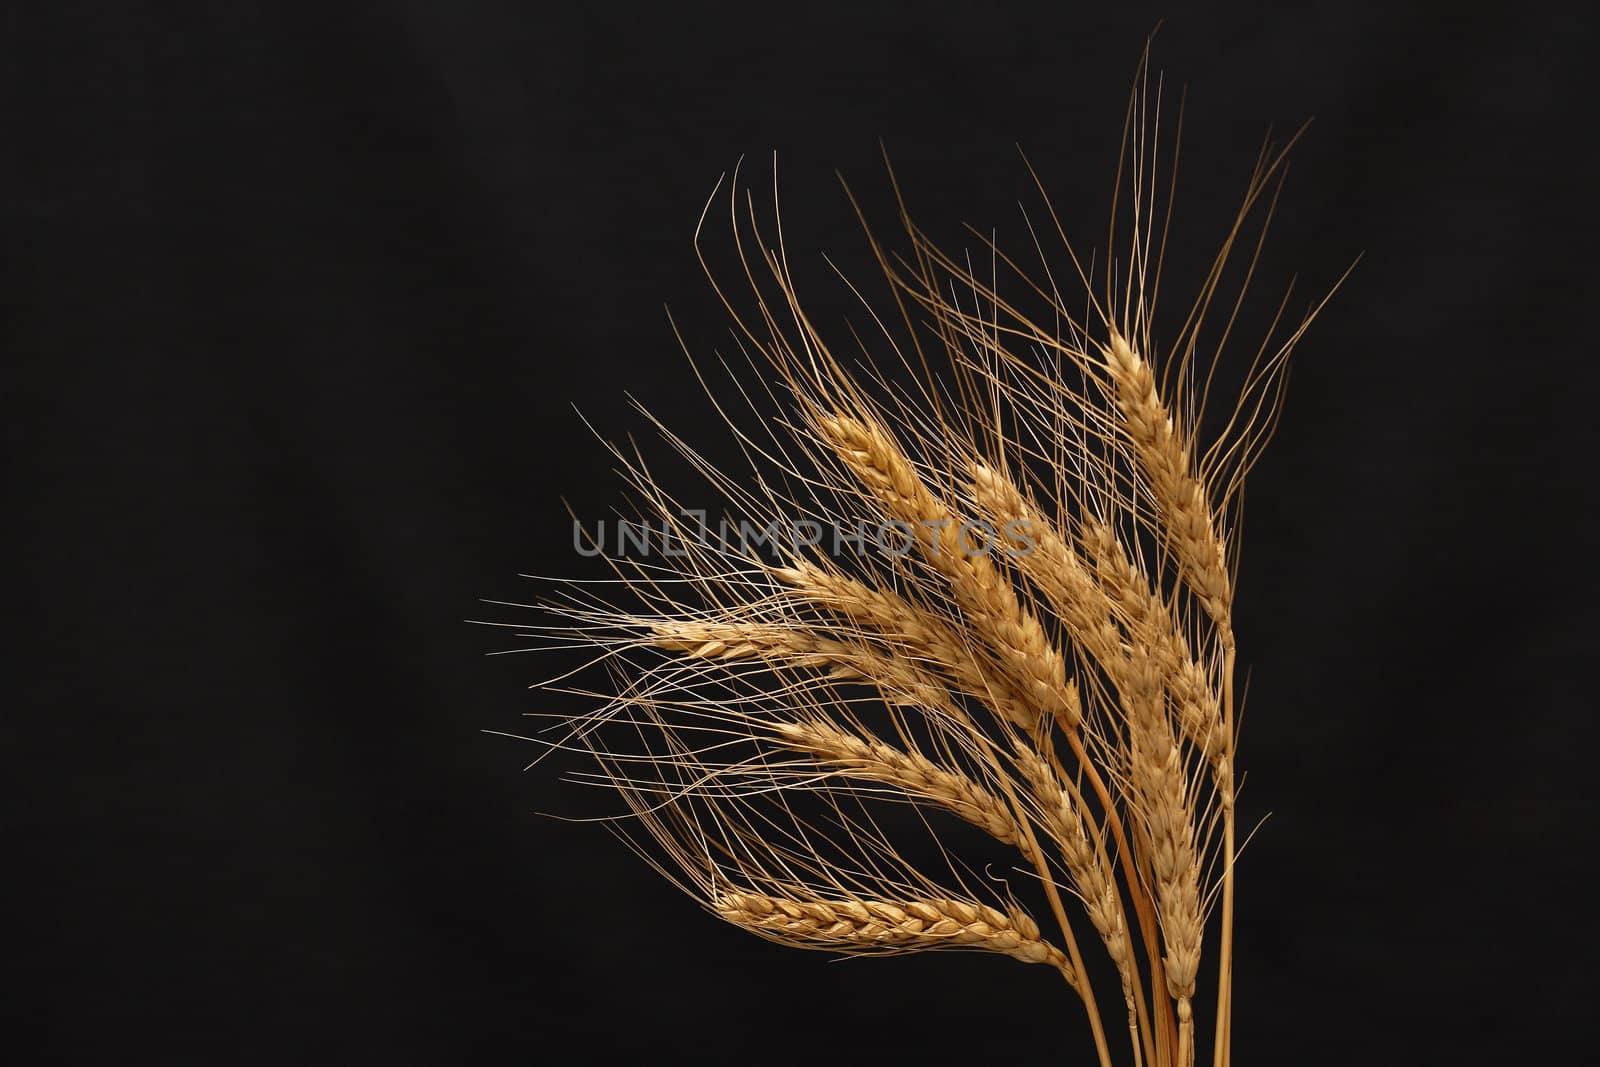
1185 1032
1224 1035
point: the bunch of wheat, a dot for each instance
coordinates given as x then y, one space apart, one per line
1066 686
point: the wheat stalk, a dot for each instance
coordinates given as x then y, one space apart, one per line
1074 700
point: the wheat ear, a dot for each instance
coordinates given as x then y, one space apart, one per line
925 636
877 924
1168 828
1149 620
1053 565
991 606
873 760
1180 495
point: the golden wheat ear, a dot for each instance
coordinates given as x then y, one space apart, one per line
1033 653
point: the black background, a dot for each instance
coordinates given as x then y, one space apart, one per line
300 302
